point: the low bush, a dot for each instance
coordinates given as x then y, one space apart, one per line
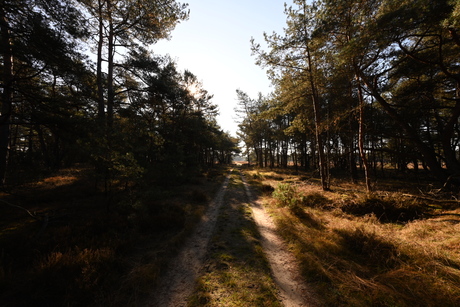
287 195
257 176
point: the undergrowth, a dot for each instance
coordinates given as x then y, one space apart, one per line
357 249
77 253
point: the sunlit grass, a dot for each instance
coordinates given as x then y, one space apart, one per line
235 284
237 273
355 257
58 180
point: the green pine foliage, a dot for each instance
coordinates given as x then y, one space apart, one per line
155 120
95 151
373 83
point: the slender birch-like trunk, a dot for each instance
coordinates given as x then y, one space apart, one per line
361 133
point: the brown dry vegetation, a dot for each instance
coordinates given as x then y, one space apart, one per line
236 272
77 253
395 247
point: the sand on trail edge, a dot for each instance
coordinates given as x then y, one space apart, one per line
179 282
293 291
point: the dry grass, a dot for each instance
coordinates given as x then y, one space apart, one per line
237 273
357 249
84 255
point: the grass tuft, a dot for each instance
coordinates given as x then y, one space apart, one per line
370 248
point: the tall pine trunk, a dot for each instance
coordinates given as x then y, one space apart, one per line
99 80
110 60
7 94
323 169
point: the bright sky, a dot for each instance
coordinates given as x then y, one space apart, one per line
214 44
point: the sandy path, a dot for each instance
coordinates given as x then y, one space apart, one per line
294 292
179 282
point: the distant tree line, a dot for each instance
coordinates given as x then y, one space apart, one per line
79 85
364 83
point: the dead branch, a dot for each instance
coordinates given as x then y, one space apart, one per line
34 216
43 218
449 201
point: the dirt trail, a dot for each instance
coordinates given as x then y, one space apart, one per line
179 282
293 291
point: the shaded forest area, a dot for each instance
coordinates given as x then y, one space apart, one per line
360 85
107 151
79 85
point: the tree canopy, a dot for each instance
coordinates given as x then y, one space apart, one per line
371 83
79 85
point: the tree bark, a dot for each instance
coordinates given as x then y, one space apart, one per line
7 94
99 81
361 133
111 51
447 134
317 115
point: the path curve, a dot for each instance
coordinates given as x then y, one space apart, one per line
183 271
293 291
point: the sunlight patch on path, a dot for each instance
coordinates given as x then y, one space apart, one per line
293 291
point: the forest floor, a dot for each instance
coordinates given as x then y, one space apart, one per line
234 258
215 240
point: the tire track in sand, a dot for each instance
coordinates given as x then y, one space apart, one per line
179 282
293 291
